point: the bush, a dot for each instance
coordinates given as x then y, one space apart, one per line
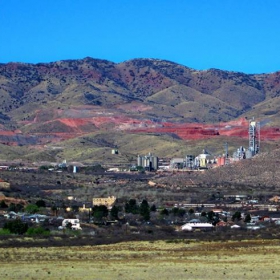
3 204
38 231
41 203
16 226
32 208
4 231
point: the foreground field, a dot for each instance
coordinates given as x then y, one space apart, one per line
177 259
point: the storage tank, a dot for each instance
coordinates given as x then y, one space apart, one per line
249 154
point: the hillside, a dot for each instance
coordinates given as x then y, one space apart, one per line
46 105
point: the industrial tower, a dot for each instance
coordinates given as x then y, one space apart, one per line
254 136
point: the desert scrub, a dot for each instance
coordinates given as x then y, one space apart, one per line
38 231
4 231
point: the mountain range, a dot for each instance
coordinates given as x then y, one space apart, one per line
81 109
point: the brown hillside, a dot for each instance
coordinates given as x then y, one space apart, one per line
47 103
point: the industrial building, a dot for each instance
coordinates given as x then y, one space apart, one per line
148 162
254 137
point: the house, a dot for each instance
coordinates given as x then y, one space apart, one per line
192 226
275 198
75 224
107 201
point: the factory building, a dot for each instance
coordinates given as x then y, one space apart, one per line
148 162
177 163
190 162
254 137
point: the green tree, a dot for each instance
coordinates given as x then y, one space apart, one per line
179 212
210 216
164 212
236 216
15 207
114 213
191 211
100 212
144 210
3 204
203 214
132 207
247 218
41 203
16 226
32 208
153 208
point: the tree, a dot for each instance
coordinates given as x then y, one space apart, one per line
132 207
54 210
191 211
16 226
153 208
236 216
114 213
40 203
15 207
32 208
100 212
69 225
144 210
210 216
247 218
164 212
75 208
3 204
179 212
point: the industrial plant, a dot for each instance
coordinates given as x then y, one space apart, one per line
206 160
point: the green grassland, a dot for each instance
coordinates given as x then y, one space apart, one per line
179 259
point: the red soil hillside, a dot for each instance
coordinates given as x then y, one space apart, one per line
74 127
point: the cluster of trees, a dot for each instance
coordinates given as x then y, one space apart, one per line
19 227
30 208
12 207
143 209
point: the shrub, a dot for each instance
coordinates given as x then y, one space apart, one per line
38 231
32 208
16 226
3 204
41 203
4 231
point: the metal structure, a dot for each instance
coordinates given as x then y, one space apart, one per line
149 162
254 136
190 161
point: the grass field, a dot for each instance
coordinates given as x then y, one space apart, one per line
177 259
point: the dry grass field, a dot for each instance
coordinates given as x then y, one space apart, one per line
177 259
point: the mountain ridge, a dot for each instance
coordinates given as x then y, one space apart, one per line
77 97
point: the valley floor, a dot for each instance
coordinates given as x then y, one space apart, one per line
177 259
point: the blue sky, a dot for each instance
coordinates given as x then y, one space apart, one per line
234 35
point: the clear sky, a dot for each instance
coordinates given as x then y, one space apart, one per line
234 35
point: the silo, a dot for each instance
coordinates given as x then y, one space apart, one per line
249 153
190 161
139 161
155 163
